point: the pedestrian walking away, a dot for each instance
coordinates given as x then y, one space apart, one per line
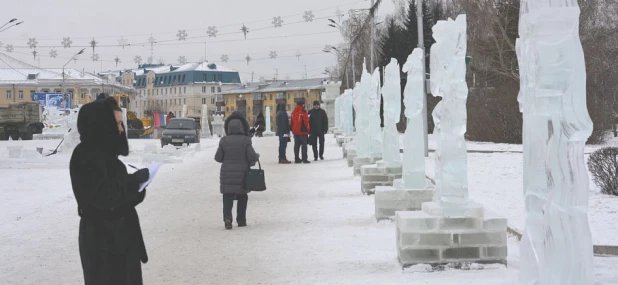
236 155
318 121
299 124
111 245
283 132
260 125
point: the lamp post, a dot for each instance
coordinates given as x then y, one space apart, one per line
10 24
63 89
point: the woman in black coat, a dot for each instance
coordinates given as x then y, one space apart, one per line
260 123
236 154
111 245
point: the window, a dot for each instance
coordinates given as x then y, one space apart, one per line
185 101
220 77
270 96
212 101
219 89
183 77
184 89
205 78
203 89
83 95
157 91
212 89
203 101
8 94
20 94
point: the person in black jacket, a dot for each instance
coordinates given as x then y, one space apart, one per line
318 120
283 132
111 245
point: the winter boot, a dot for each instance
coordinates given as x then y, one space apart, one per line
228 224
284 161
306 161
242 224
321 157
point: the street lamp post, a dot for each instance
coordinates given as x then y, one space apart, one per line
64 95
10 24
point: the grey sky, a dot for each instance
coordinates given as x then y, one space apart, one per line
106 21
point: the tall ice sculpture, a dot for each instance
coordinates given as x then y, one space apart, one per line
269 131
450 229
205 132
385 171
556 244
409 192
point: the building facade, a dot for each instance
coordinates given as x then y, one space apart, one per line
166 88
18 85
252 99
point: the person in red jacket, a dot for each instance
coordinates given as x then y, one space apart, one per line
299 123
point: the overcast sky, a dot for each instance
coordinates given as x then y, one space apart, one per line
106 21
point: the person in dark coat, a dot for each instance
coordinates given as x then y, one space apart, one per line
283 132
318 120
236 155
111 245
102 96
260 124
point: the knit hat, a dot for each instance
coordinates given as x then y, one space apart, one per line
316 102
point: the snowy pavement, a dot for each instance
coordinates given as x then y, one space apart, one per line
312 226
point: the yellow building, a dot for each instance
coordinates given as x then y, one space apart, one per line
253 99
18 85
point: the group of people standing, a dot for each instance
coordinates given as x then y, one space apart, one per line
306 128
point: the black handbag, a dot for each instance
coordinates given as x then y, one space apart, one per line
254 179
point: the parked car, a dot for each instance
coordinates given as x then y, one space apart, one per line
179 131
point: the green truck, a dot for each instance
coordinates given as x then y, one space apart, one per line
20 120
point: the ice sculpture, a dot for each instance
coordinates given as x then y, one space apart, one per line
361 106
373 120
268 129
391 94
205 133
448 80
71 136
556 245
413 143
347 113
337 110
54 122
183 113
124 121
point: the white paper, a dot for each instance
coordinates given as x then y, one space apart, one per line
152 169
286 136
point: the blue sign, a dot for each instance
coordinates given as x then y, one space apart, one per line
52 100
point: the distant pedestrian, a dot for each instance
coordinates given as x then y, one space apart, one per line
170 116
236 154
283 132
319 127
260 125
111 245
299 124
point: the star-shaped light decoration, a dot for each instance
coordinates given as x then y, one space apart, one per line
32 42
212 32
94 57
244 30
66 42
182 59
182 35
248 59
117 60
225 58
308 16
122 42
9 48
298 55
161 62
150 60
137 59
273 55
53 53
93 44
277 22
34 53
152 40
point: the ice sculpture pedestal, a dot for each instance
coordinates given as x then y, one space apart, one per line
217 125
379 174
47 136
268 134
391 199
336 131
350 153
432 236
358 162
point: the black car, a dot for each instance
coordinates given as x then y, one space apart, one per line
179 131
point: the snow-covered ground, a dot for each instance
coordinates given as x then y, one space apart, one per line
312 226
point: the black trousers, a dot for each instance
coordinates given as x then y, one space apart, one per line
314 145
241 207
300 141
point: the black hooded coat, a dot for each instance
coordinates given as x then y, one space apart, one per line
236 153
282 120
110 238
237 115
